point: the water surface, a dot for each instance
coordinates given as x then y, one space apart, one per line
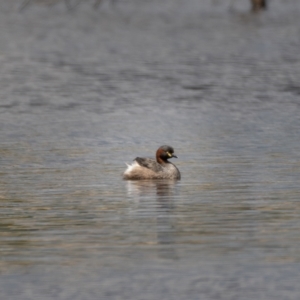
84 92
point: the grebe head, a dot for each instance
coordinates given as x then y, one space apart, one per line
163 153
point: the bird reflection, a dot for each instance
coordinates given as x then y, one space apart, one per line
163 191
162 188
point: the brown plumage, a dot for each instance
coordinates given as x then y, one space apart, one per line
147 168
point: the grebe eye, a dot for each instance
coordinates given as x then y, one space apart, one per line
169 154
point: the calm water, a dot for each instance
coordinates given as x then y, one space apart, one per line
83 92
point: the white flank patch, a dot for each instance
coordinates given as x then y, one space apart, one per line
130 167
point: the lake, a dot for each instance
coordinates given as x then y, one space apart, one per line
84 91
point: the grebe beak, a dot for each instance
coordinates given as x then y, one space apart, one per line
171 155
